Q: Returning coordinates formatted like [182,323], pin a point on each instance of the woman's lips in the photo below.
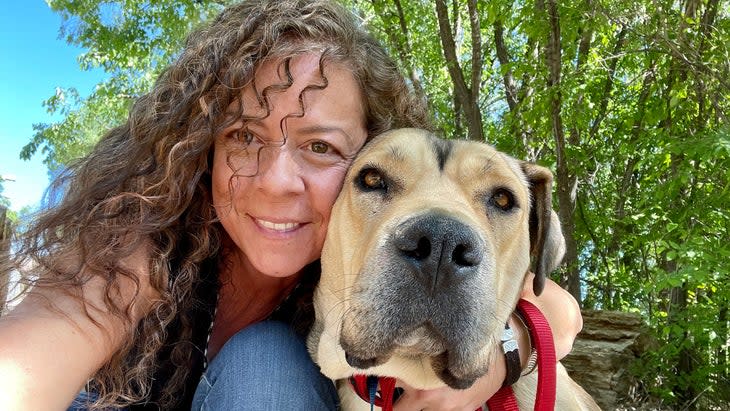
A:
[278,227]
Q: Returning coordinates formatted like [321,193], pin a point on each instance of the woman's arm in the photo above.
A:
[49,347]
[562,312]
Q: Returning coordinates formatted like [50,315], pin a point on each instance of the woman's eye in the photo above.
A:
[503,200]
[243,135]
[319,147]
[372,179]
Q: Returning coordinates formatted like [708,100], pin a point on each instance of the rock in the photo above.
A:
[604,353]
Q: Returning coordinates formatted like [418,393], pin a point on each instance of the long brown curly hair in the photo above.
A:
[148,181]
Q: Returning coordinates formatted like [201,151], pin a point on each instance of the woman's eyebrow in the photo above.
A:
[323,129]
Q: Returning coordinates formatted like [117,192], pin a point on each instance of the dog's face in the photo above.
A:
[425,258]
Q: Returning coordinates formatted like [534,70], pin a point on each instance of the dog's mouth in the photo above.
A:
[452,378]
[421,342]
[451,366]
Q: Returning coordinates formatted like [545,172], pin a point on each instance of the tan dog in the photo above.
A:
[426,253]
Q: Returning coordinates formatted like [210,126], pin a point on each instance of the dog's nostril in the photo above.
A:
[421,251]
[459,256]
[424,248]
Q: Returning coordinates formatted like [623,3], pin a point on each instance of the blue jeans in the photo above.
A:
[84,399]
[265,366]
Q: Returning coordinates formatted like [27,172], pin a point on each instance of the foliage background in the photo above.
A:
[627,101]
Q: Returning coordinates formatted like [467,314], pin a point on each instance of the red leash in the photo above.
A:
[366,387]
[542,338]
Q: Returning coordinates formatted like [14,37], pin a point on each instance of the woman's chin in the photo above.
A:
[280,269]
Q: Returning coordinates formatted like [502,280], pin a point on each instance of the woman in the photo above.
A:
[203,216]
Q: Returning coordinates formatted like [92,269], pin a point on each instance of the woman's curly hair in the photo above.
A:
[148,181]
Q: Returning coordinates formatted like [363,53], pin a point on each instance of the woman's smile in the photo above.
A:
[277,227]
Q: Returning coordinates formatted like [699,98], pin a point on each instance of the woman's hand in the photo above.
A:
[562,313]
[449,399]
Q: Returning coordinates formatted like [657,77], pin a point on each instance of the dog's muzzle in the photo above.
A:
[423,295]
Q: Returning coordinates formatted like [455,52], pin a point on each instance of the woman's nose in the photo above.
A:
[279,172]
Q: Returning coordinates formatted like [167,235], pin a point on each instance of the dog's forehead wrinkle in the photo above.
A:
[494,164]
[488,165]
[476,166]
[395,152]
[442,151]
[514,166]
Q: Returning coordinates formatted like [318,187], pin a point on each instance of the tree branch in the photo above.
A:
[469,97]
[477,59]
[449,48]
[608,84]
[510,88]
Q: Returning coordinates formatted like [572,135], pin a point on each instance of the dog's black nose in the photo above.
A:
[440,248]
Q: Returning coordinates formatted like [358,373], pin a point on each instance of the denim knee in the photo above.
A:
[265,366]
[83,402]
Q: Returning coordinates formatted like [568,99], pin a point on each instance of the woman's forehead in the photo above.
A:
[300,68]
[302,79]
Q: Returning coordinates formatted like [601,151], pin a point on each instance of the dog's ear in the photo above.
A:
[547,245]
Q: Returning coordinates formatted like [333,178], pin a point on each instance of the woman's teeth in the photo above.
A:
[277,226]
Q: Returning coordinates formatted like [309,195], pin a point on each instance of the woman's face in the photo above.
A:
[273,195]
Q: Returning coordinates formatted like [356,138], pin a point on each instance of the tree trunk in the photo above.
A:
[722,322]
[608,83]
[400,39]
[518,127]
[685,392]
[624,187]
[565,177]
[5,234]
[468,94]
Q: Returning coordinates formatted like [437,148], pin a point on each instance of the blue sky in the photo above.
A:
[33,62]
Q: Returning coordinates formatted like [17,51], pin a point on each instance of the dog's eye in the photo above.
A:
[503,199]
[371,179]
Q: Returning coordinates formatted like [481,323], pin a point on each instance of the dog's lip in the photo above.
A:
[362,363]
[419,342]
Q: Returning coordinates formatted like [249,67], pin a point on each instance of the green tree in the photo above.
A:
[4,201]
[131,40]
